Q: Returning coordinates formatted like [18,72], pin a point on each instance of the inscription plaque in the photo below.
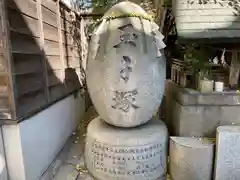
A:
[122,161]
[133,154]
[227,160]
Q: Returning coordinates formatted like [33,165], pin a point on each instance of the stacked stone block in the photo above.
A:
[125,77]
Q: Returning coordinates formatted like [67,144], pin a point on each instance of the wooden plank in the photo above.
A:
[6,50]
[73,62]
[42,46]
[2,63]
[67,38]
[4,103]
[26,64]
[50,32]
[76,51]
[30,102]
[28,7]
[49,17]
[24,44]
[54,63]
[4,91]
[51,5]
[22,23]
[65,25]
[71,79]
[65,13]
[28,83]
[3,81]
[51,48]
[71,51]
[63,64]
[57,92]
[55,77]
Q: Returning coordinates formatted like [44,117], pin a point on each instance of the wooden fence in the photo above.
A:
[39,56]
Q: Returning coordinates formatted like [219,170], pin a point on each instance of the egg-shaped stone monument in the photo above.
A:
[126,67]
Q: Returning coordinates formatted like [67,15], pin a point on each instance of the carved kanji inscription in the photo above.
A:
[126,68]
[125,100]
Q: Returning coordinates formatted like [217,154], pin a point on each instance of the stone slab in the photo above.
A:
[187,96]
[227,160]
[201,121]
[191,158]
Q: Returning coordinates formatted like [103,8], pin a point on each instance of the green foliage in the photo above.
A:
[101,6]
[102,3]
[198,58]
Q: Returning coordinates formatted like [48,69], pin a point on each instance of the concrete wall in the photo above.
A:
[33,144]
[191,113]
[3,167]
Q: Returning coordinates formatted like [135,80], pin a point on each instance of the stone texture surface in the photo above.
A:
[191,158]
[126,70]
[227,160]
[190,113]
[128,154]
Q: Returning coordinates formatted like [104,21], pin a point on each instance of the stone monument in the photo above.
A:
[126,69]
[191,158]
[227,156]
[126,77]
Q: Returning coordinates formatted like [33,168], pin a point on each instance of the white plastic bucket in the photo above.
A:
[219,86]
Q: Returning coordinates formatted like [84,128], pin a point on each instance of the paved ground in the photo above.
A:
[69,164]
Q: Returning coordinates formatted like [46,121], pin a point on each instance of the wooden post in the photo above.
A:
[60,40]
[234,70]
[5,51]
[44,60]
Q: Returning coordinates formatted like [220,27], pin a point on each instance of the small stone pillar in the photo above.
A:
[227,160]
[191,158]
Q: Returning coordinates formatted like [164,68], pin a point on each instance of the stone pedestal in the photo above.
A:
[113,153]
[191,158]
[191,113]
[227,160]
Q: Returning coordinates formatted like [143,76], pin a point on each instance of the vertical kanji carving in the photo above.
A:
[125,100]
[126,69]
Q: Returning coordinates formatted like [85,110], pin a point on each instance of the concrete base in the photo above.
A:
[33,144]
[191,113]
[3,167]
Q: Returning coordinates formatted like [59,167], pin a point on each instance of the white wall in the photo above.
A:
[3,168]
[33,144]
